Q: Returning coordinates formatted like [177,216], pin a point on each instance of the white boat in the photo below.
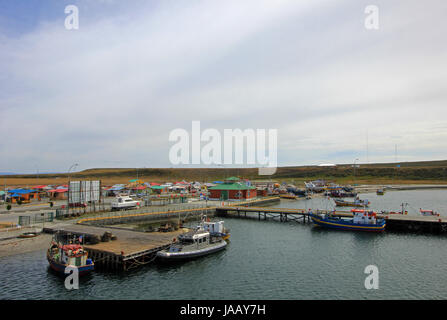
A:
[207,238]
[124,202]
[428,213]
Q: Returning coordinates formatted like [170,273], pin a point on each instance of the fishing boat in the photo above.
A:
[288,196]
[356,203]
[361,221]
[297,192]
[428,213]
[61,256]
[315,186]
[380,192]
[207,238]
[341,194]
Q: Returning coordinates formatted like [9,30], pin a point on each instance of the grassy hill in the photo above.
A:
[377,173]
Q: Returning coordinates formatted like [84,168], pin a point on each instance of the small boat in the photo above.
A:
[380,192]
[315,186]
[207,238]
[288,196]
[28,235]
[393,212]
[428,213]
[341,194]
[361,221]
[61,256]
[355,203]
[402,210]
[297,192]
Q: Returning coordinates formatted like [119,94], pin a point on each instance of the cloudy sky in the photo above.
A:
[109,93]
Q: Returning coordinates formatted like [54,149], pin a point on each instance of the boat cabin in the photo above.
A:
[365,217]
[201,237]
[214,227]
[69,254]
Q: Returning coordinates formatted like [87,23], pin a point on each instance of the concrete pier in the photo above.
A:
[130,249]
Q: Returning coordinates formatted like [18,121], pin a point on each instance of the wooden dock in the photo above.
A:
[267,213]
[394,222]
[130,250]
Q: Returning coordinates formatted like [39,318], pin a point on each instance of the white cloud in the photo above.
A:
[112,90]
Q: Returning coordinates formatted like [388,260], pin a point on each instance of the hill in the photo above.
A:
[408,172]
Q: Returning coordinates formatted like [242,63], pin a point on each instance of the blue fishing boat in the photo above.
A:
[361,221]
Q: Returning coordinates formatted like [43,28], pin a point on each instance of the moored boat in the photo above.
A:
[28,235]
[361,221]
[380,192]
[207,238]
[341,194]
[356,203]
[428,213]
[288,196]
[60,256]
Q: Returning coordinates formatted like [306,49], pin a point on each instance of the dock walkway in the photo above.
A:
[395,222]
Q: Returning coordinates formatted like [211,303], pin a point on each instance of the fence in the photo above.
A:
[143,214]
[36,218]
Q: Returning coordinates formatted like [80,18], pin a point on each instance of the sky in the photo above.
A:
[109,93]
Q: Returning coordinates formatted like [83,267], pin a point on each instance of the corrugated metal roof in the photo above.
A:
[21,191]
[158,187]
[231,186]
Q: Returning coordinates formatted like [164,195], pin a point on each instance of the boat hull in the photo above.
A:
[179,256]
[345,225]
[60,268]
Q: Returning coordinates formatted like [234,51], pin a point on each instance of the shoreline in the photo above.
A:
[17,246]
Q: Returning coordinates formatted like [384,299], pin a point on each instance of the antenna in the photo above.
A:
[367,147]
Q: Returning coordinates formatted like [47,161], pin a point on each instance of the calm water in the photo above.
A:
[269,260]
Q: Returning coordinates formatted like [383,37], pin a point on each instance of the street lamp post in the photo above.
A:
[69,169]
[354,169]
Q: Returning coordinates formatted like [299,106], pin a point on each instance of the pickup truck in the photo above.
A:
[124,203]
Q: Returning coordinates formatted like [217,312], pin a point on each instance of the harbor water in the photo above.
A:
[269,260]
